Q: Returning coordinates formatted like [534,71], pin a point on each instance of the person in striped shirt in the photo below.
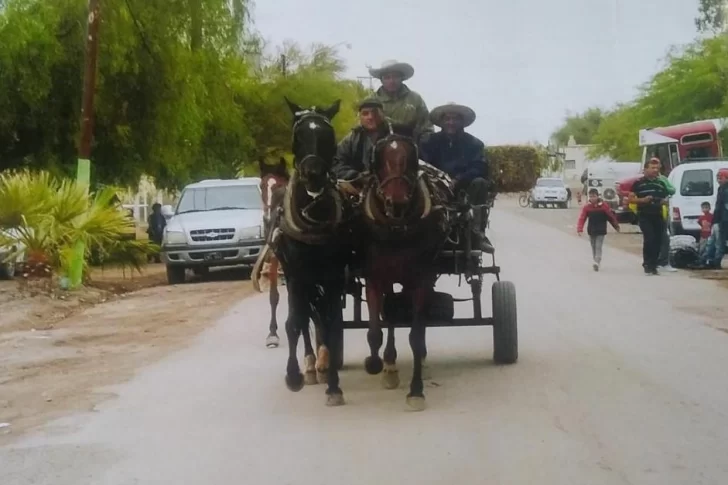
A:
[650,195]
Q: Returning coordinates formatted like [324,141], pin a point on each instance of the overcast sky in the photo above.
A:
[520,64]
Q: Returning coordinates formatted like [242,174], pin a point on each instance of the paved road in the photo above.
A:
[608,391]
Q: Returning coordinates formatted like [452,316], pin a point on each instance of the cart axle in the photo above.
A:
[455,322]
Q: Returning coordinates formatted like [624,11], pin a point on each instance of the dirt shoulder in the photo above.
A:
[56,348]
[629,239]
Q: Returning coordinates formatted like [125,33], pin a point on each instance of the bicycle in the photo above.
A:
[525,199]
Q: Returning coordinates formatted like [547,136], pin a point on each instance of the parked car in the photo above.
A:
[216,223]
[695,183]
[549,190]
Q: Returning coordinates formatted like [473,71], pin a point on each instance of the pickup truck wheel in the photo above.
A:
[175,275]
[7,270]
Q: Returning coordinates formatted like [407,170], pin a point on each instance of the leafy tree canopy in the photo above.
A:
[183,91]
[582,126]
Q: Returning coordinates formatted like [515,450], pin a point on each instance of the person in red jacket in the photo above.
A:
[598,214]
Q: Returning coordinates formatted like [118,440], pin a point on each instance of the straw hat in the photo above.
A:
[467,114]
[406,70]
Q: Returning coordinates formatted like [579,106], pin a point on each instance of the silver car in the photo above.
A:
[549,190]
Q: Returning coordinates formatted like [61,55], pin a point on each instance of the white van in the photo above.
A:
[695,183]
[603,175]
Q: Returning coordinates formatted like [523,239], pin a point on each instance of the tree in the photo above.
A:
[581,126]
[712,16]
[692,86]
[183,93]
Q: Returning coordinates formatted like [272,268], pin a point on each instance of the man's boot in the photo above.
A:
[480,240]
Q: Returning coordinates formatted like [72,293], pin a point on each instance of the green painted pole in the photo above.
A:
[83,172]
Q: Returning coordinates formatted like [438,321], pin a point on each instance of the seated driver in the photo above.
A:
[354,152]
[462,157]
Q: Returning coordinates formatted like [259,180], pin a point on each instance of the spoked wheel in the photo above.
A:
[523,200]
[505,323]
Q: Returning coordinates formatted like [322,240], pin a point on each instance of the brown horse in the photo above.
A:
[274,179]
[407,232]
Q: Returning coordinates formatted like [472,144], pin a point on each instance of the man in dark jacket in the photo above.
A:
[720,217]
[462,157]
[353,154]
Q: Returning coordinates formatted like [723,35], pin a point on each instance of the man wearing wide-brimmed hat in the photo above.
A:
[462,157]
[354,151]
[401,104]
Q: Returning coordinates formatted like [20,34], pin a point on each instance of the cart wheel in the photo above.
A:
[505,323]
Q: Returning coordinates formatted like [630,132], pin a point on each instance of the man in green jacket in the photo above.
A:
[402,105]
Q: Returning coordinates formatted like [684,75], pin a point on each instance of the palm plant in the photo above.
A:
[49,216]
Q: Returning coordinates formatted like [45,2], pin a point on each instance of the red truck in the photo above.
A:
[672,145]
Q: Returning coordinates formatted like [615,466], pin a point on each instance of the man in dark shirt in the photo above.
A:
[462,157]
[650,195]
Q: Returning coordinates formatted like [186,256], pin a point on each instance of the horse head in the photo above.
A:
[314,144]
[272,177]
[395,164]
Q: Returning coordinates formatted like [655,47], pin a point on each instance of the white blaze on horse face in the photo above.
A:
[269,195]
[313,125]
[394,144]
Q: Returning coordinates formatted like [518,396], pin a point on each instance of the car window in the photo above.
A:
[697,183]
[549,183]
[218,198]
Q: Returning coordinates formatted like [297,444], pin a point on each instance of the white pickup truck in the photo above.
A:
[215,223]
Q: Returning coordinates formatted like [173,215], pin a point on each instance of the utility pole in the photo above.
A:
[283,65]
[83,171]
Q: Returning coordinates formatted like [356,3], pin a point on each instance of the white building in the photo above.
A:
[576,161]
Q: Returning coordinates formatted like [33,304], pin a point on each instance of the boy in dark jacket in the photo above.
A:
[598,214]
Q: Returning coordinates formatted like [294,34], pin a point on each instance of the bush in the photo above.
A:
[515,168]
[49,216]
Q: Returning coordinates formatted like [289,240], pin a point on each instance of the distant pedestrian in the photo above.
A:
[155,227]
[598,213]
[650,194]
[719,235]
[705,221]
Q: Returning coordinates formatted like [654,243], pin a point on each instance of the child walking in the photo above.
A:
[706,222]
[598,214]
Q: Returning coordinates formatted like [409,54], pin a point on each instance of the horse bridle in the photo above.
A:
[410,180]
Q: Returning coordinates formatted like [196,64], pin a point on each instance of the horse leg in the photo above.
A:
[298,314]
[416,396]
[323,359]
[373,364]
[309,357]
[272,340]
[390,373]
[333,333]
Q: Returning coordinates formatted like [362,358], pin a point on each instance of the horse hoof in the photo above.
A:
[272,341]
[322,377]
[373,365]
[310,379]
[416,403]
[336,399]
[390,379]
[294,382]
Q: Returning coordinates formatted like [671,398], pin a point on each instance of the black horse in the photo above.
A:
[307,239]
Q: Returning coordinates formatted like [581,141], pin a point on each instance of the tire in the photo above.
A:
[7,270]
[534,205]
[175,275]
[441,307]
[201,271]
[523,201]
[505,323]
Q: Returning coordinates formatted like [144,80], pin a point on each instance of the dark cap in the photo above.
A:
[371,103]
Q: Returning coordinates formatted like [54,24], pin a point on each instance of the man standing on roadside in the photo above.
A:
[402,105]
[720,221]
[650,194]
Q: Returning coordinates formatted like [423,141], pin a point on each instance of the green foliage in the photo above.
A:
[692,86]
[516,167]
[582,126]
[183,90]
[712,16]
[49,215]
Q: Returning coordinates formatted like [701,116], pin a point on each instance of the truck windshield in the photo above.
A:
[697,183]
[220,198]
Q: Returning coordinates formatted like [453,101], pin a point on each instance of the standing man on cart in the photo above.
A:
[402,105]
[462,157]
